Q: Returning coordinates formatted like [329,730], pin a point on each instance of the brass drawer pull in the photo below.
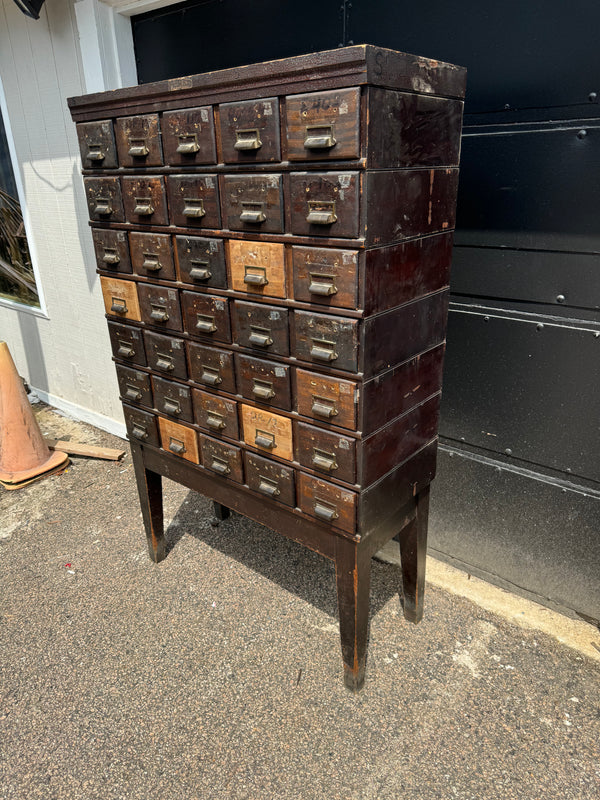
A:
[111,256]
[139,432]
[258,276]
[159,313]
[151,262]
[210,376]
[248,139]
[323,350]
[323,408]
[165,363]
[95,152]
[319,137]
[321,212]
[205,323]
[200,272]
[325,511]
[220,466]
[143,207]
[137,148]
[323,460]
[188,144]
[260,336]
[252,212]
[176,446]
[103,207]
[119,306]
[215,421]
[125,350]
[133,393]
[171,406]
[323,285]
[193,207]
[262,389]
[264,439]
[268,487]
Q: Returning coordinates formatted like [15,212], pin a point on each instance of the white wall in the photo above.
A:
[66,353]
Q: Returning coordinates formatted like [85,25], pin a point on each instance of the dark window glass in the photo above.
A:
[17,281]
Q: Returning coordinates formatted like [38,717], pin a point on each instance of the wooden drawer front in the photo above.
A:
[104,199]
[141,426]
[257,267]
[323,125]
[211,367]
[97,144]
[263,328]
[172,398]
[201,261]
[327,503]
[327,277]
[253,203]
[145,201]
[264,381]
[326,452]
[152,255]
[268,432]
[179,440]
[120,298]
[270,479]
[325,203]
[250,131]
[160,306]
[222,459]
[127,343]
[194,201]
[326,340]
[327,399]
[207,316]
[134,386]
[215,414]
[189,137]
[138,141]
[112,250]
[166,354]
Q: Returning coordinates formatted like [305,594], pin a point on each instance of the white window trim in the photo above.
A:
[106,41]
[5,302]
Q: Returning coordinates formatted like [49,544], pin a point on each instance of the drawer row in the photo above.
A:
[318,498]
[322,203]
[322,339]
[320,275]
[391,129]
[223,417]
[322,398]
[320,125]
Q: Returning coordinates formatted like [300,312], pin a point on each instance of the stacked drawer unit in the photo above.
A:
[273,244]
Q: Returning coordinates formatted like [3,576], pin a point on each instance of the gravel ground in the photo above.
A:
[217,674]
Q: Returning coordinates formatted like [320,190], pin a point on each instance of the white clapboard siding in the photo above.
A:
[65,354]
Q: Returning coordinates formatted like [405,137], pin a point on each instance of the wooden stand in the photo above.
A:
[352,558]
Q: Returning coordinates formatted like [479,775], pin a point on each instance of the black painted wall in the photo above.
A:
[517,499]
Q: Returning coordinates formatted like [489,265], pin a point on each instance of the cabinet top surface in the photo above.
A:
[330,69]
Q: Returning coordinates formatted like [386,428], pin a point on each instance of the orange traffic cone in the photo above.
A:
[24,455]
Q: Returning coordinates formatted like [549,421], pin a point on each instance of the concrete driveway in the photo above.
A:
[218,674]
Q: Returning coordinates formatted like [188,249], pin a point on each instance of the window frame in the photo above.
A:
[5,302]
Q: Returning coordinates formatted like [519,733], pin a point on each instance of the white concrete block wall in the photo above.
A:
[64,353]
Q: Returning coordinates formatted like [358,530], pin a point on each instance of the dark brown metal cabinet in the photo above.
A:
[285,359]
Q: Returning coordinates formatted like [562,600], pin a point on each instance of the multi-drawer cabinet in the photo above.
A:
[273,244]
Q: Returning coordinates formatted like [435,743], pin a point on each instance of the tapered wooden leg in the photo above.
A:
[149,486]
[413,553]
[221,513]
[353,574]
